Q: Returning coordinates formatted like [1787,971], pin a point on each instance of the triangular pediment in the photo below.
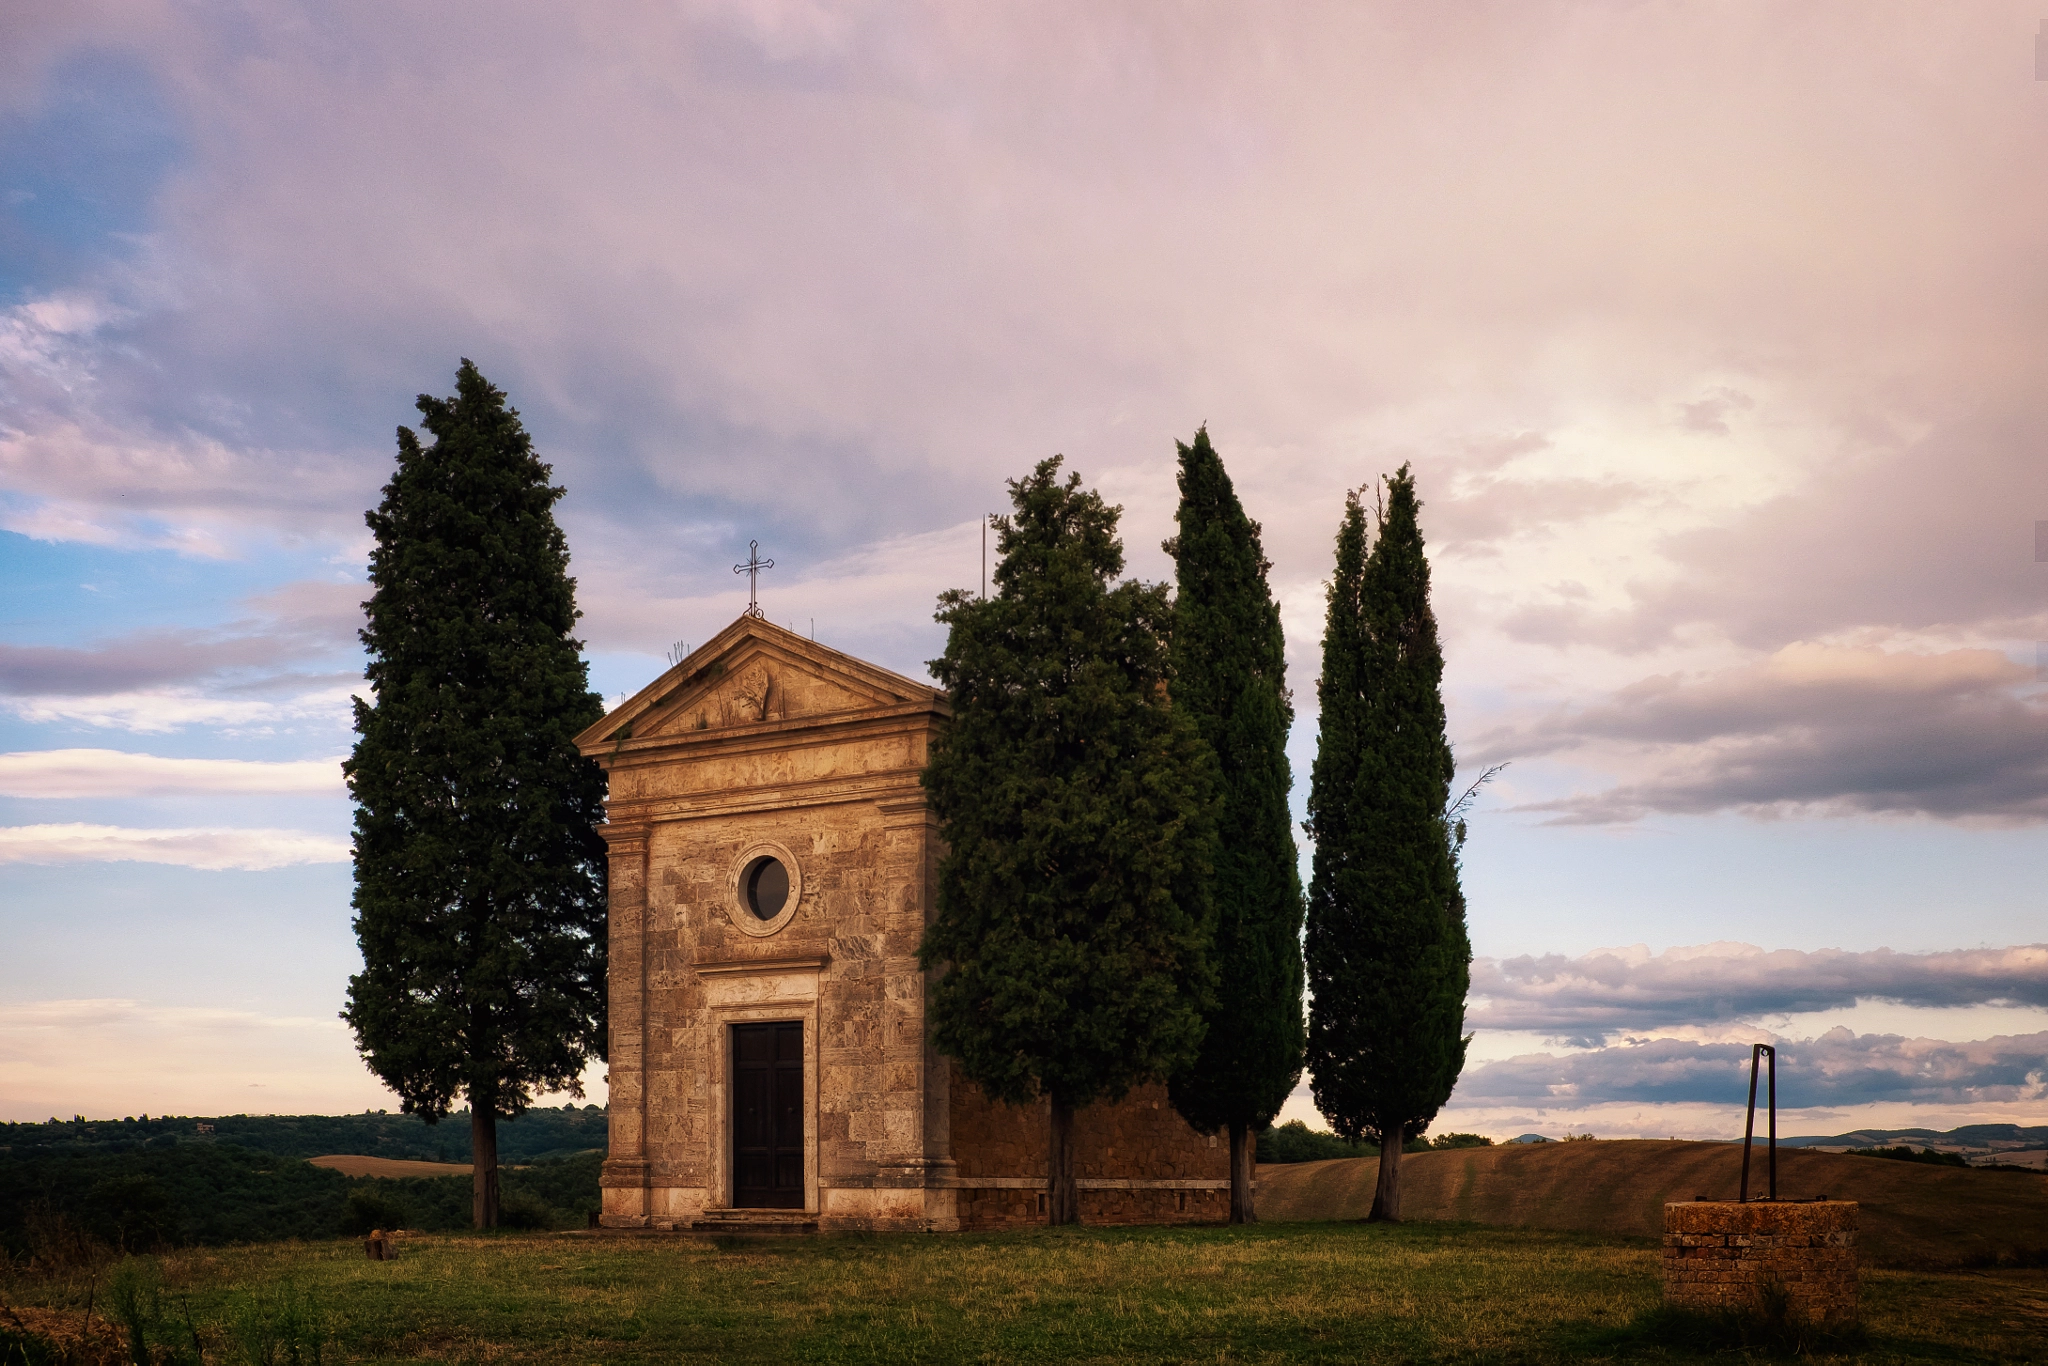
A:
[752,673]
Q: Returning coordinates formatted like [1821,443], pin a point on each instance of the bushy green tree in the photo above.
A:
[1230,676]
[480,876]
[1389,960]
[1072,930]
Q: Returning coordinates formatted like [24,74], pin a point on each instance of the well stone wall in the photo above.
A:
[1722,1254]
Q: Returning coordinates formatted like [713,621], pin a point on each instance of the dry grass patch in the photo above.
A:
[1912,1215]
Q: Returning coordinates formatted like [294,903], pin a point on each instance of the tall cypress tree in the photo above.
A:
[1230,676]
[1388,956]
[480,876]
[1072,930]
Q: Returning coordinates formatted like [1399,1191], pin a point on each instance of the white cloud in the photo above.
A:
[114,773]
[213,849]
[157,712]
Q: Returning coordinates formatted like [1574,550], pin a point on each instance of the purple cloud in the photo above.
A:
[1839,1068]
[1953,735]
[1613,991]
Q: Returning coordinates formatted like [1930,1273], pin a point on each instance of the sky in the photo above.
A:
[1711,333]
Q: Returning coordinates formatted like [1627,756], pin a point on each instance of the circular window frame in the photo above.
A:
[741,914]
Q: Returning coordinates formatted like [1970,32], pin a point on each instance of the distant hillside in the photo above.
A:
[1912,1214]
[206,1194]
[1971,1139]
[536,1135]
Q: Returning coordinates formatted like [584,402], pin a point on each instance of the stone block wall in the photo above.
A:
[1136,1161]
[1720,1254]
[764,741]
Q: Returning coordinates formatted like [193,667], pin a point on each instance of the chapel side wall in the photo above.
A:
[1140,1139]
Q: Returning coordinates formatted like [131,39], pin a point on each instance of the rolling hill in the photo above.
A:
[1913,1215]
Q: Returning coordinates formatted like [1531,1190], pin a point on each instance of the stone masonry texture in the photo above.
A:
[1721,1254]
[759,741]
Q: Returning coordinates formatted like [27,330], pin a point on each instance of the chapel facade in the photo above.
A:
[773,868]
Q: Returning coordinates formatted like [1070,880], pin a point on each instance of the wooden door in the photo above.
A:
[768,1115]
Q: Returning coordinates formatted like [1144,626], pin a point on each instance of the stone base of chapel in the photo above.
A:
[1136,1162]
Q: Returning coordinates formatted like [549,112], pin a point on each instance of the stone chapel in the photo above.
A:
[773,867]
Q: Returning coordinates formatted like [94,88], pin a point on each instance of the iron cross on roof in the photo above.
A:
[752,569]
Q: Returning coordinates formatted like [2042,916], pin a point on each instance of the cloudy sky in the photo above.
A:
[1713,334]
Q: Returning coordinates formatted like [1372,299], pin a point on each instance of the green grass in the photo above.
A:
[1300,1292]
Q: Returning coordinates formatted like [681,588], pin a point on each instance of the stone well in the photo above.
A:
[1720,1254]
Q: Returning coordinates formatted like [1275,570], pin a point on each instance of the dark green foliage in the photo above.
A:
[130,1210]
[540,1133]
[480,876]
[1294,1141]
[1388,955]
[1906,1154]
[1230,676]
[559,1193]
[200,1195]
[213,1195]
[1462,1141]
[1077,806]
[20,1347]
[373,1205]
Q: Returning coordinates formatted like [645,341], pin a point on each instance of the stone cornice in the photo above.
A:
[722,742]
[813,963]
[891,787]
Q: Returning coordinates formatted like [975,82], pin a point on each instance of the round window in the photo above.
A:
[765,885]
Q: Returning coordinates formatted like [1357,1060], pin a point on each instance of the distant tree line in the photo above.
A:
[536,1135]
[1294,1141]
[1902,1153]
[196,1194]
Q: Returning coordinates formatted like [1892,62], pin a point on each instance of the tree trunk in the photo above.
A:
[483,1156]
[1063,1198]
[1242,1148]
[1386,1195]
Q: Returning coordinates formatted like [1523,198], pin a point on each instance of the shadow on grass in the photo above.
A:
[1767,1332]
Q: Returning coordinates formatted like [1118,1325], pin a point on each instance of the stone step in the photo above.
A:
[755,1221]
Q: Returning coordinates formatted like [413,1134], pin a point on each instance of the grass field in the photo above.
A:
[1272,1293]
[1912,1215]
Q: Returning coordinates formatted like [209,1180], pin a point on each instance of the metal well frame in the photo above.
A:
[1757,1053]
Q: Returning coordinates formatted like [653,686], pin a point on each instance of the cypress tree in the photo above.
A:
[1388,956]
[1230,676]
[1072,928]
[479,873]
